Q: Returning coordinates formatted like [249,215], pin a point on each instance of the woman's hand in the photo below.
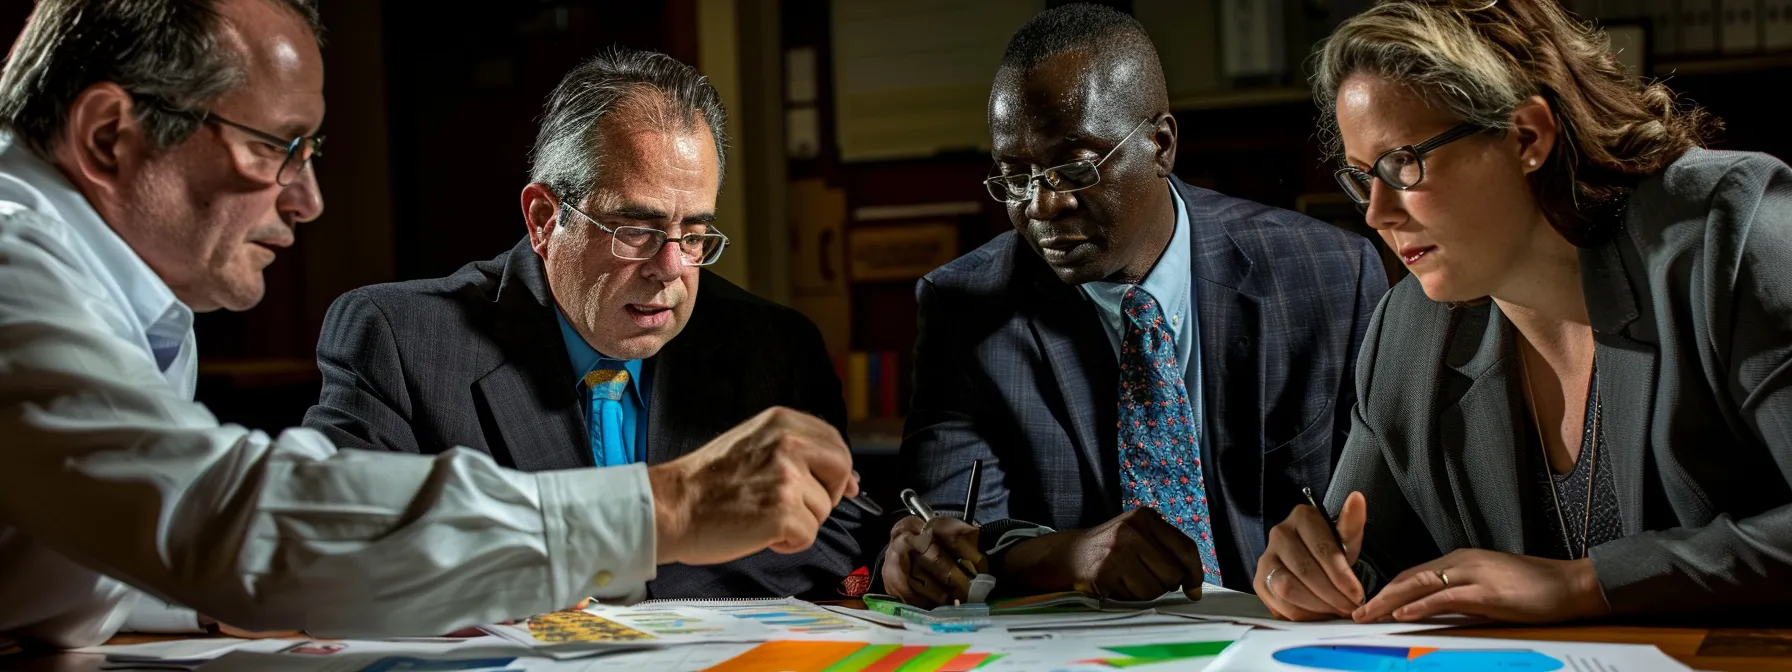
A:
[1500,586]
[1304,575]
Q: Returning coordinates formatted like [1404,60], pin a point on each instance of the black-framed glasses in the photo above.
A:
[1401,167]
[1073,176]
[640,243]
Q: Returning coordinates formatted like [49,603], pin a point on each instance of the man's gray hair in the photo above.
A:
[660,92]
[166,53]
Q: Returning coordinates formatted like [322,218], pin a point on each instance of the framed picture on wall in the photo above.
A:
[898,252]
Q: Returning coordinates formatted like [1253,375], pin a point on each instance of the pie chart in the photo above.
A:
[1416,659]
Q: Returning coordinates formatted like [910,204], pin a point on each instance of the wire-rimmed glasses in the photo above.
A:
[1401,167]
[1073,176]
[299,151]
[640,243]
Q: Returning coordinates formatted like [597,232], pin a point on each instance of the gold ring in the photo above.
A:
[1441,576]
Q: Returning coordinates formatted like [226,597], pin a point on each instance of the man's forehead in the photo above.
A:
[1068,97]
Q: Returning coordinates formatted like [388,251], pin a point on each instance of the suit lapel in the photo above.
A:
[531,397]
[1477,440]
[1070,338]
[687,405]
[1627,367]
[1228,322]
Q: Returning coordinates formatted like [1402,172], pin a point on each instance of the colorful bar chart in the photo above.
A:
[794,656]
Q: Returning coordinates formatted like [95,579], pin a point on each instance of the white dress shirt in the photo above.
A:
[114,480]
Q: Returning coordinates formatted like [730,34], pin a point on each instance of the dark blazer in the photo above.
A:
[1012,368]
[1691,308]
[476,359]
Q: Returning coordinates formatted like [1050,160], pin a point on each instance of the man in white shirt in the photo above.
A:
[153,156]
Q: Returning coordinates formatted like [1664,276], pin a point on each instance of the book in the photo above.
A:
[1776,25]
[890,397]
[1698,32]
[857,393]
[1666,29]
[1740,32]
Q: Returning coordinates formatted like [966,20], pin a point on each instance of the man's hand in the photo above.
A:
[1495,585]
[1303,575]
[768,483]
[1135,556]
[922,564]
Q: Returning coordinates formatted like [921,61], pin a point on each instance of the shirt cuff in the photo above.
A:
[600,532]
[155,616]
[1017,535]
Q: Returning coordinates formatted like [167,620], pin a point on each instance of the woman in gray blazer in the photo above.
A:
[1580,403]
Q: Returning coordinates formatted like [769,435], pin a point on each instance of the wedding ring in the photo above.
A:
[1270,577]
[1441,576]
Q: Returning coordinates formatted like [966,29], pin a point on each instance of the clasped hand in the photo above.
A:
[1304,575]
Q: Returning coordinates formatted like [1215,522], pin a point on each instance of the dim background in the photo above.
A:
[858,147]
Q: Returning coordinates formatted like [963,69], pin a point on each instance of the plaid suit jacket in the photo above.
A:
[1012,368]
[476,359]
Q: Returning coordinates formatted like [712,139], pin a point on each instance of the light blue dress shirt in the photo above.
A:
[1171,282]
[586,359]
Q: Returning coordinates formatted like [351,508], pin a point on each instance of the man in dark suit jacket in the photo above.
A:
[501,356]
[1024,346]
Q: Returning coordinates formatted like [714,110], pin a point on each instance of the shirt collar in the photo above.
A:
[585,359]
[1168,281]
[164,319]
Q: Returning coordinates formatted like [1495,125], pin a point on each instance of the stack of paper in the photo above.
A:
[1224,630]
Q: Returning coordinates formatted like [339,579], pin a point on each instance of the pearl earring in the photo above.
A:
[1533,163]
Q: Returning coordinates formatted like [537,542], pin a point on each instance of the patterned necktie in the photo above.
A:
[606,386]
[1160,455]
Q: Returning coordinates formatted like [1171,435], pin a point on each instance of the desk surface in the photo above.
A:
[1726,649]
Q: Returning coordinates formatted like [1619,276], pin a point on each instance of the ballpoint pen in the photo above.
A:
[1330,523]
[970,492]
[863,500]
[912,500]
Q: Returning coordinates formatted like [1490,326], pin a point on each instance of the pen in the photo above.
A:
[1330,523]
[863,501]
[912,500]
[970,492]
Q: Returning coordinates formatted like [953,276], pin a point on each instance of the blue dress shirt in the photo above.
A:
[1171,282]
[586,359]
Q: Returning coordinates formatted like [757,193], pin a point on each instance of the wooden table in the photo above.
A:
[1725,649]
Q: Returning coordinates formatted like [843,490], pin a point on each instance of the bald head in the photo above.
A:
[1112,62]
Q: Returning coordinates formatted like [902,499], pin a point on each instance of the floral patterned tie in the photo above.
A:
[1160,454]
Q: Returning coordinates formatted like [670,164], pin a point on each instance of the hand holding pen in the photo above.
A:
[1307,573]
[932,559]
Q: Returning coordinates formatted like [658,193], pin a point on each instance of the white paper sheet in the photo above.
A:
[1265,651]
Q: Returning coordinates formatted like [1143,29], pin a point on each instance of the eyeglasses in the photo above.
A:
[299,151]
[1073,176]
[1401,167]
[640,243]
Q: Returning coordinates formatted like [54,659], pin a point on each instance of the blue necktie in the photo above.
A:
[1160,454]
[606,387]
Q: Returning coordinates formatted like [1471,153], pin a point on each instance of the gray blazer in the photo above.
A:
[1691,307]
